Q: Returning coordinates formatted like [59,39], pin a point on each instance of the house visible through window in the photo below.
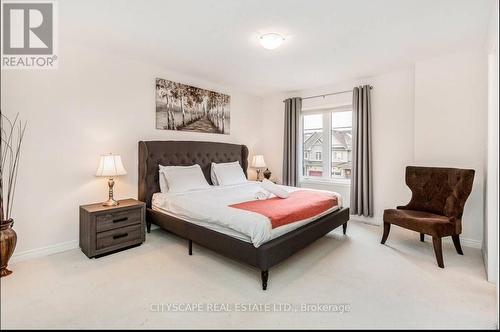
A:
[327,144]
[341,145]
[312,144]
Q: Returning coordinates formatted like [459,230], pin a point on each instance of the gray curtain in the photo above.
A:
[293,107]
[362,175]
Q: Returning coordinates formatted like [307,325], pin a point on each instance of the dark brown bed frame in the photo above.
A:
[184,153]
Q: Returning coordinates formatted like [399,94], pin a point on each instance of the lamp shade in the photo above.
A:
[110,165]
[258,161]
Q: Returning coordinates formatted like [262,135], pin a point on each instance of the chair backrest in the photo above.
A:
[439,190]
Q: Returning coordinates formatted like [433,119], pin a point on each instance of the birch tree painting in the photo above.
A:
[187,108]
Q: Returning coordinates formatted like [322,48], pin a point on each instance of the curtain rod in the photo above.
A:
[329,94]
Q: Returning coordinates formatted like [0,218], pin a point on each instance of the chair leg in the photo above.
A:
[422,237]
[438,250]
[456,242]
[344,228]
[387,229]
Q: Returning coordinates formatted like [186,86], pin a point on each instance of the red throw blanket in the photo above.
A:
[300,205]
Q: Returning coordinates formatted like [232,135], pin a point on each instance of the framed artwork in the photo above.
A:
[188,108]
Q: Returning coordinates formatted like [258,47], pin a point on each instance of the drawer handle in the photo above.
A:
[120,219]
[120,236]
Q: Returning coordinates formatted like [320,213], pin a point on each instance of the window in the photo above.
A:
[327,144]
[312,145]
[341,145]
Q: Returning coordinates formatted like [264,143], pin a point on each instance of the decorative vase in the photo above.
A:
[8,240]
[267,173]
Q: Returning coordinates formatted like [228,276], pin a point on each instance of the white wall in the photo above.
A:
[491,207]
[272,133]
[418,115]
[392,127]
[450,123]
[97,103]
[93,104]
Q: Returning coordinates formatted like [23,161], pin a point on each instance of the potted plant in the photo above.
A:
[12,133]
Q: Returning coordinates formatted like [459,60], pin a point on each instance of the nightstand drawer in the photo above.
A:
[115,220]
[118,236]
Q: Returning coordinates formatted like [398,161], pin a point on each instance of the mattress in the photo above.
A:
[209,208]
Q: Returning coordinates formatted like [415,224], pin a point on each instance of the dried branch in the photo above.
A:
[22,129]
[12,134]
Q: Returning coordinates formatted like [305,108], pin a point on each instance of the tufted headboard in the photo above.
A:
[182,153]
[439,190]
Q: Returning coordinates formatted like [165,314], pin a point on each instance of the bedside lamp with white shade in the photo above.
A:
[110,166]
[258,163]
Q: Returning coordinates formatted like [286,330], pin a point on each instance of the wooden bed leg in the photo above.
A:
[190,247]
[148,226]
[344,228]
[422,237]
[264,276]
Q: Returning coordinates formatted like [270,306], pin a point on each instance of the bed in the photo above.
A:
[261,252]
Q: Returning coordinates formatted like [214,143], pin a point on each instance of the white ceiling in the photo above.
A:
[327,40]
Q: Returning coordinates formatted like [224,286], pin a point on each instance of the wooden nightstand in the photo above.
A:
[105,229]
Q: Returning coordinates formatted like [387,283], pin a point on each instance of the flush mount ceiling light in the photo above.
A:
[271,41]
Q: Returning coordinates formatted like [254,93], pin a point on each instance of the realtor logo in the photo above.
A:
[28,35]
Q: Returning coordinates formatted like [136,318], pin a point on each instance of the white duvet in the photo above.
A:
[210,208]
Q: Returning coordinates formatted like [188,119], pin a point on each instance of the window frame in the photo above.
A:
[327,153]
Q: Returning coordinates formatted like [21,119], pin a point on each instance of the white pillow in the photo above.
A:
[213,177]
[162,180]
[274,189]
[228,173]
[180,179]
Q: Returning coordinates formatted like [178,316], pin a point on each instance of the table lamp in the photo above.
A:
[110,166]
[258,163]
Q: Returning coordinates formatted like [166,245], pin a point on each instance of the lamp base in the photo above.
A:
[110,202]
[258,174]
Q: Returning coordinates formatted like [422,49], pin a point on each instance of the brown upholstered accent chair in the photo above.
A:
[436,205]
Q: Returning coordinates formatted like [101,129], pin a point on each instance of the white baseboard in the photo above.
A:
[364,220]
[44,251]
[469,243]
[485,261]
[57,248]
[49,250]
[465,242]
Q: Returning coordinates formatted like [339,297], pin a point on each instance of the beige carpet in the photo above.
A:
[393,286]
